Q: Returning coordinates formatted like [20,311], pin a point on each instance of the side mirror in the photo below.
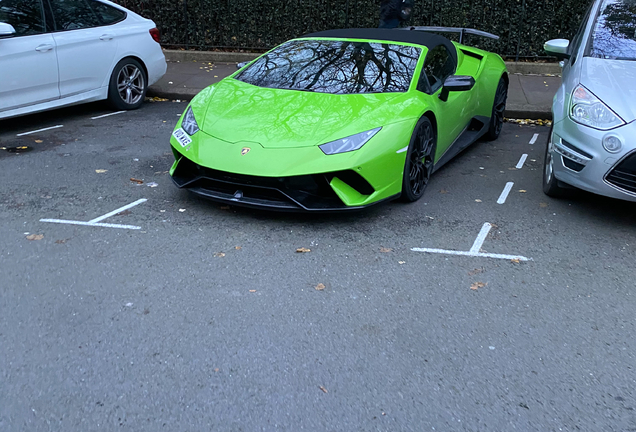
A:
[456,83]
[6,30]
[558,48]
[241,65]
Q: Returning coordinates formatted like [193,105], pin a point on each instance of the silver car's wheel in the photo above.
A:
[551,185]
[128,85]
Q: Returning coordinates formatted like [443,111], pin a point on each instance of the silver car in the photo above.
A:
[592,144]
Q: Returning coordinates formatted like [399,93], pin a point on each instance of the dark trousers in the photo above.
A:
[390,23]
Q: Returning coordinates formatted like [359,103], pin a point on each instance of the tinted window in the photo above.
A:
[107,14]
[24,15]
[438,65]
[73,15]
[614,34]
[339,67]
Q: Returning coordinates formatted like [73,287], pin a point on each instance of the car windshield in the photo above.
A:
[334,66]
[614,35]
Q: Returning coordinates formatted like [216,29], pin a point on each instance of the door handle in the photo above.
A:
[44,47]
[106,37]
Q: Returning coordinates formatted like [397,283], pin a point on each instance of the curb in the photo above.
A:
[523,68]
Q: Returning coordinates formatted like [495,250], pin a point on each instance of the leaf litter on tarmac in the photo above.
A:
[476,285]
[303,250]
[35,237]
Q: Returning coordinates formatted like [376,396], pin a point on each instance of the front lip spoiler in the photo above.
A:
[272,205]
[293,201]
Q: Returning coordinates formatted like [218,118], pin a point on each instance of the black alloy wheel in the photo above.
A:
[498,110]
[420,159]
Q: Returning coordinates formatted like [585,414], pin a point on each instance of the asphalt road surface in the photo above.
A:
[206,317]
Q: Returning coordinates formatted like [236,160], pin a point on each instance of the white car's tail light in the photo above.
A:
[156,35]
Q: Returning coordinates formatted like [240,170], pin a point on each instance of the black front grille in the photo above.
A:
[624,174]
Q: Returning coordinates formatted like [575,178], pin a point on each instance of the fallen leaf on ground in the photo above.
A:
[101,171]
[386,250]
[476,285]
[324,390]
[252,291]
[475,271]
[543,205]
[443,191]
[35,237]
[523,190]
[219,254]
[61,241]
[515,260]
[401,262]
[238,247]
[39,141]
[477,200]
[152,184]
[320,287]
[216,369]
[181,210]
[303,250]
[132,179]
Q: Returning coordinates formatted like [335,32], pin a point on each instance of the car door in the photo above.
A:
[453,114]
[85,47]
[28,61]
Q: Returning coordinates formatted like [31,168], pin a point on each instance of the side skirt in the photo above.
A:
[477,128]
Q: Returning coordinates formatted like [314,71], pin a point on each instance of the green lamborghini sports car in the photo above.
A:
[339,120]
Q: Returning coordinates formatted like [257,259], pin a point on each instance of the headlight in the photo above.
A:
[588,110]
[189,123]
[351,143]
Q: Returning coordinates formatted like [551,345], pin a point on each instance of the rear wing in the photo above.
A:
[460,30]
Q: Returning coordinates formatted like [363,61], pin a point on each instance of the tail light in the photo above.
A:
[155,34]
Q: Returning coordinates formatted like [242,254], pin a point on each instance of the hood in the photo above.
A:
[612,81]
[274,118]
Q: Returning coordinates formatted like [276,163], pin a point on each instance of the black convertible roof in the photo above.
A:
[427,39]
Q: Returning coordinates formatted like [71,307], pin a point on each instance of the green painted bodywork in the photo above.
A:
[283,128]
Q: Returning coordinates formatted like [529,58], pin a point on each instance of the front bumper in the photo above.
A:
[314,193]
[580,160]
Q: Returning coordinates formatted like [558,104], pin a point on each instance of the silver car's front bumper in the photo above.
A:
[580,160]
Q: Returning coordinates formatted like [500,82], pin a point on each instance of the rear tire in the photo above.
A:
[551,186]
[420,159]
[128,85]
[498,110]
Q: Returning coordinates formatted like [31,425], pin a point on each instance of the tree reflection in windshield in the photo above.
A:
[614,34]
[338,67]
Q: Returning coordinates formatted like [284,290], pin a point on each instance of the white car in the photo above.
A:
[55,53]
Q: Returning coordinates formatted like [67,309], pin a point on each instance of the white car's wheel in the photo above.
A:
[128,85]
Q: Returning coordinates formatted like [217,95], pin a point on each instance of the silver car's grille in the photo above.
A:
[623,176]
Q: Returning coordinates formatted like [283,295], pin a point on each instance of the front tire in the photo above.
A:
[551,186]
[128,85]
[498,110]
[420,159]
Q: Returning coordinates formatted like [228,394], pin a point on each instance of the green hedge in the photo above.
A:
[523,25]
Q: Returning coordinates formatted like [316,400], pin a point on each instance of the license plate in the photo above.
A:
[182,137]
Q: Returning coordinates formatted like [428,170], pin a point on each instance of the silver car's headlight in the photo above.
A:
[350,143]
[189,123]
[588,110]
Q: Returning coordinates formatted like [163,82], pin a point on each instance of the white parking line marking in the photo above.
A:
[504,194]
[402,150]
[107,115]
[472,254]
[534,138]
[474,250]
[104,225]
[119,210]
[485,229]
[522,161]
[40,130]
[95,222]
